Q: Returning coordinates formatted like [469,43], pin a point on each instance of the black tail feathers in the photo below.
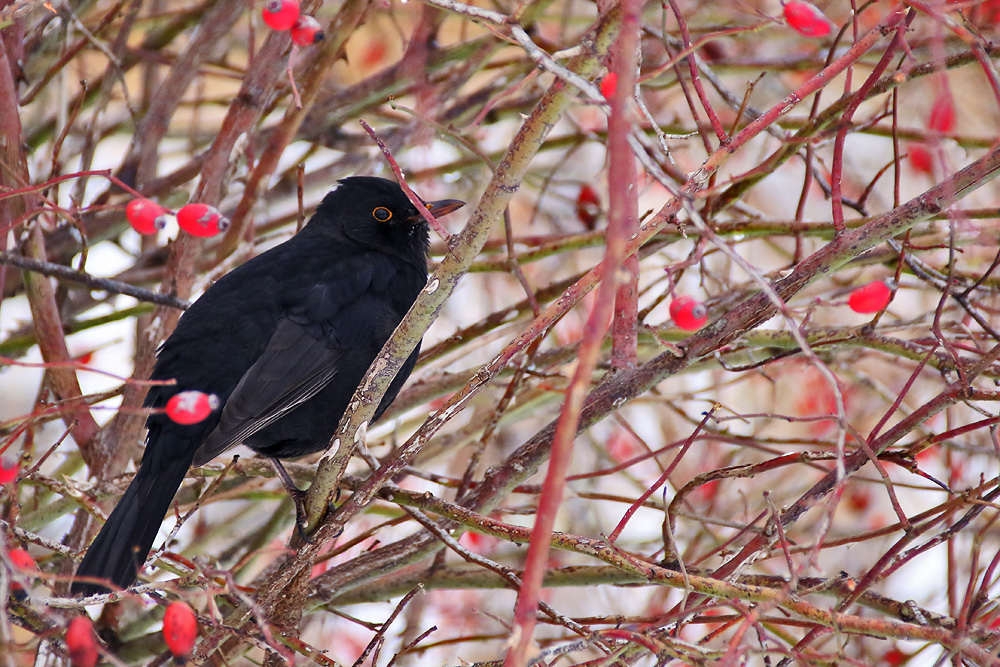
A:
[126,539]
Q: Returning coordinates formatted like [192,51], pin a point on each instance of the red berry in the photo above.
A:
[81,643]
[9,470]
[307,31]
[146,216]
[22,560]
[609,85]
[806,19]
[688,313]
[280,14]
[942,118]
[588,206]
[202,220]
[894,657]
[180,629]
[191,407]
[871,298]
[920,158]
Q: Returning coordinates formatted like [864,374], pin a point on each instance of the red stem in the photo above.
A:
[594,332]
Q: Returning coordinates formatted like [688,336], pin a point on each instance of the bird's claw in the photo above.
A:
[298,497]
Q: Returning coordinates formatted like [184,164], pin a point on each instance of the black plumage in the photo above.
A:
[283,341]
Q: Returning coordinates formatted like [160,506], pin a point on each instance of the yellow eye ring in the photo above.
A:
[382,214]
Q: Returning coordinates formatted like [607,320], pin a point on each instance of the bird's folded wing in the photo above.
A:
[294,367]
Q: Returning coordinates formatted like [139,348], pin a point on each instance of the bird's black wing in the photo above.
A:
[334,325]
[294,367]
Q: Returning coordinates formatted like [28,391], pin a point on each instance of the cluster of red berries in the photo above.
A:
[148,217]
[180,629]
[690,314]
[806,19]
[284,15]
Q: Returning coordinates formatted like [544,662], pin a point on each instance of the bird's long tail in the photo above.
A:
[126,539]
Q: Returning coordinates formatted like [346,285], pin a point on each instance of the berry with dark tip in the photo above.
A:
[688,313]
[145,216]
[202,220]
[307,31]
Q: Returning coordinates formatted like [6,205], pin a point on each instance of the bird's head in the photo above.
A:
[375,213]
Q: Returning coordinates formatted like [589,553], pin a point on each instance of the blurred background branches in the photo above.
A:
[786,470]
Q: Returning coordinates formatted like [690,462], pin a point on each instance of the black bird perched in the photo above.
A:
[283,341]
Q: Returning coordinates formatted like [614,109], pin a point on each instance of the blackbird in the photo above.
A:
[283,341]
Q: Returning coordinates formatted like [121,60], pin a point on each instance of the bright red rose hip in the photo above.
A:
[145,216]
[688,313]
[806,19]
[9,469]
[202,220]
[81,642]
[191,407]
[609,85]
[180,629]
[307,31]
[280,14]
[870,298]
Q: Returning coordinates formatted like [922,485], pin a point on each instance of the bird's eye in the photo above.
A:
[382,214]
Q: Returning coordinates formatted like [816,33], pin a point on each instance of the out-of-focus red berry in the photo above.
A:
[942,118]
[806,19]
[81,642]
[145,216]
[180,629]
[202,220]
[859,500]
[622,446]
[588,206]
[870,298]
[894,657]
[609,84]
[688,313]
[478,543]
[373,52]
[191,407]
[920,158]
[307,31]
[280,14]
[23,561]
